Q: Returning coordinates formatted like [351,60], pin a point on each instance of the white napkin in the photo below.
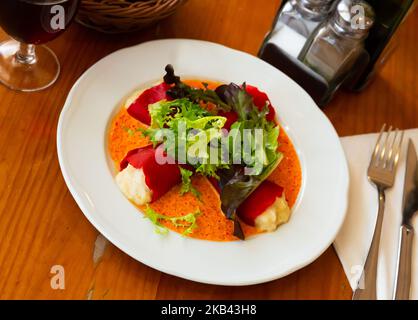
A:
[354,239]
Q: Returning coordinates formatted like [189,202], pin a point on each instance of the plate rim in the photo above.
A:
[71,185]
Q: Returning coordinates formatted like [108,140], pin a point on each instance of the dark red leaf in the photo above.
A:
[260,99]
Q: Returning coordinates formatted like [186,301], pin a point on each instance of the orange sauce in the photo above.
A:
[125,135]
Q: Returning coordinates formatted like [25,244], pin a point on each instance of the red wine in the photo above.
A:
[36,21]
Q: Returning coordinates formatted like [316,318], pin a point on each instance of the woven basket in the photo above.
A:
[117,16]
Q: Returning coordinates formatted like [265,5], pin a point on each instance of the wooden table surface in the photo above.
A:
[41,225]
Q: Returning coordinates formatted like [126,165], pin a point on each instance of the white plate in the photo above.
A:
[82,151]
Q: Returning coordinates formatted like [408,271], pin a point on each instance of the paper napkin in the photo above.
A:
[354,239]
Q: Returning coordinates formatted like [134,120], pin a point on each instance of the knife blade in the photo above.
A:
[410,196]
[409,209]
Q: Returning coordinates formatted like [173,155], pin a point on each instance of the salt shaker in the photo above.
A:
[296,22]
[336,44]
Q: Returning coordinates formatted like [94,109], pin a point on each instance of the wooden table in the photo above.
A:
[41,225]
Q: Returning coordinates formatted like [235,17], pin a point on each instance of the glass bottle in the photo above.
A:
[336,44]
[295,22]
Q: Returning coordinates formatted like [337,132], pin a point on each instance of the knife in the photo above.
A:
[410,208]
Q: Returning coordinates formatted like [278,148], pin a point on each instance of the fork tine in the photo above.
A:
[385,148]
[377,147]
[390,154]
[396,152]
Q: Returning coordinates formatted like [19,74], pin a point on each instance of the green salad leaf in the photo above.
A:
[164,112]
[183,124]
[187,185]
[188,221]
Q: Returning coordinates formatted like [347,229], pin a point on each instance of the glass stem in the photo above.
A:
[26,53]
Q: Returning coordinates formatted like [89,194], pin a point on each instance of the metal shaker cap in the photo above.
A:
[315,9]
[354,18]
[317,2]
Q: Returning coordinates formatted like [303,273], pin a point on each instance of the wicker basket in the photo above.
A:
[117,16]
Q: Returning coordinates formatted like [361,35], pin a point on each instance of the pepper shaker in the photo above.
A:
[337,43]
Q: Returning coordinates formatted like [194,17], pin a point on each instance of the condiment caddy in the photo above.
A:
[327,44]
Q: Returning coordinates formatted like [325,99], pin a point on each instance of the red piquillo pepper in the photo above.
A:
[160,178]
[139,108]
[259,201]
[260,99]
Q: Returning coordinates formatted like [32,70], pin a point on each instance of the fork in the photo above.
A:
[381,173]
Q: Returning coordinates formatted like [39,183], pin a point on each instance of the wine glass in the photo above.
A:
[24,64]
